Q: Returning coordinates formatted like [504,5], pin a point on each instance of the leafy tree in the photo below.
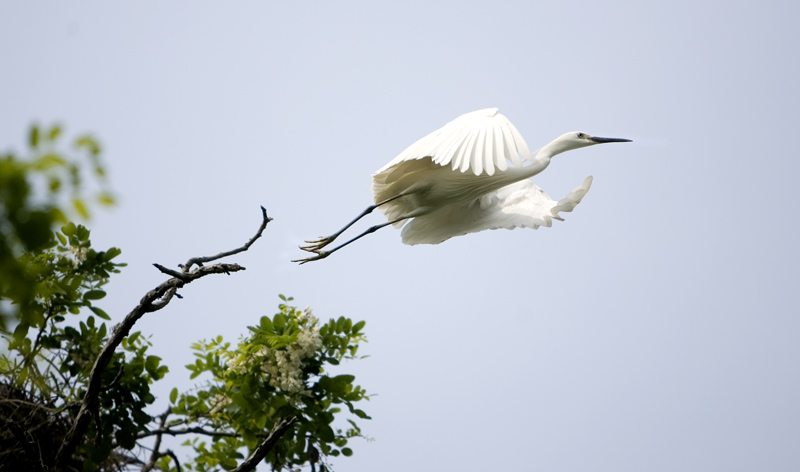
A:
[27,216]
[75,393]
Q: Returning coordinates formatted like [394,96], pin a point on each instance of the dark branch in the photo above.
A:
[200,260]
[156,454]
[170,272]
[280,428]
[174,458]
[193,430]
[154,300]
[117,378]
[25,440]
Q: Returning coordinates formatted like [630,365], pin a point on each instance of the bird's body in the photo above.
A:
[427,186]
[465,177]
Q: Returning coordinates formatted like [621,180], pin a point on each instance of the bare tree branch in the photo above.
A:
[156,454]
[280,428]
[200,260]
[172,273]
[174,458]
[25,440]
[154,300]
[116,378]
[192,430]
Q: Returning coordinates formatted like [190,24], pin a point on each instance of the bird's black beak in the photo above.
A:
[609,140]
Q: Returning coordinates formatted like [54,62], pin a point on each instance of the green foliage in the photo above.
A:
[280,369]
[52,331]
[51,352]
[64,278]
[37,192]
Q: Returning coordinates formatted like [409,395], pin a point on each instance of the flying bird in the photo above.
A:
[468,176]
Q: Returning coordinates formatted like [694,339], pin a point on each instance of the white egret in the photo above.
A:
[457,180]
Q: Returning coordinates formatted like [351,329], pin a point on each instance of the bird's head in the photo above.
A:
[577,139]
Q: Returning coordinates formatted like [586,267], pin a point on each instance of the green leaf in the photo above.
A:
[111,253]
[250,439]
[48,161]
[261,420]
[266,324]
[80,207]
[98,311]
[228,463]
[94,295]
[89,143]
[358,326]
[347,452]
[55,132]
[361,414]
[69,229]
[325,433]
[239,400]
[173,395]
[344,378]
[83,233]
[151,363]
[279,322]
[34,136]
[105,198]
[278,402]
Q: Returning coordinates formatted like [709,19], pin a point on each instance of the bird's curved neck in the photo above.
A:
[539,163]
[552,148]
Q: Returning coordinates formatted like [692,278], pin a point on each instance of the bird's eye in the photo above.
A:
[581,135]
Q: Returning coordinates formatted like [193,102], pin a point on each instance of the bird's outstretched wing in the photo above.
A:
[482,141]
[522,204]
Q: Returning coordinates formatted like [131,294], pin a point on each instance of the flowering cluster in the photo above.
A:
[284,366]
[78,255]
[281,369]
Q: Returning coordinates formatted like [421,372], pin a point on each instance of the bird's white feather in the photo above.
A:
[519,205]
[480,141]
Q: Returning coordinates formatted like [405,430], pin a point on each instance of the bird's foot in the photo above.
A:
[320,255]
[316,245]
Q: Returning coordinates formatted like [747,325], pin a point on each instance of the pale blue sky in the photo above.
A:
[655,329]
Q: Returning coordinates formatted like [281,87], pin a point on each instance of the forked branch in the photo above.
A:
[154,300]
[266,445]
[200,260]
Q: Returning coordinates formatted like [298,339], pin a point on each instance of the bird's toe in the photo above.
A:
[320,255]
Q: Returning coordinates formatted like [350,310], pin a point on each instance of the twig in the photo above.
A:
[156,454]
[263,449]
[170,272]
[200,260]
[193,430]
[24,439]
[174,458]
[116,378]
[154,300]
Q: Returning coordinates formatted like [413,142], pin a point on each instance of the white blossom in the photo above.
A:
[284,368]
[78,255]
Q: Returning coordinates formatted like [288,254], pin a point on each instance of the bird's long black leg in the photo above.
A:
[316,245]
[324,254]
